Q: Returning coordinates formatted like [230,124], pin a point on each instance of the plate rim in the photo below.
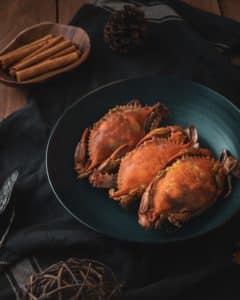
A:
[99,88]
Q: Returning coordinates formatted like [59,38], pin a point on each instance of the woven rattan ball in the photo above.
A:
[73,279]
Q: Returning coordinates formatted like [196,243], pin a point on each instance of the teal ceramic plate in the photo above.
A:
[215,117]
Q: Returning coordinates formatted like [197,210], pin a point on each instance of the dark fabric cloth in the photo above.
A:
[195,269]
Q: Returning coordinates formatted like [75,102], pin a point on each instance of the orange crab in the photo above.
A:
[116,133]
[138,167]
[186,186]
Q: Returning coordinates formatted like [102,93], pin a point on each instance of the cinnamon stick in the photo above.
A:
[15,55]
[11,59]
[46,66]
[65,51]
[41,56]
[51,42]
[38,41]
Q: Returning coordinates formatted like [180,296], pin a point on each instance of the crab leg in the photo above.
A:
[159,132]
[105,175]
[175,133]
[124,197]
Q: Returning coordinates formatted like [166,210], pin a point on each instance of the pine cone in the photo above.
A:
[125,30]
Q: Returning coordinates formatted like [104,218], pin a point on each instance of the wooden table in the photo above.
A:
[15,15]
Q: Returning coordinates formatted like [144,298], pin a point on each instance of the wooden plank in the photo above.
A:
[230,9]
[15,15]
[211,6]
[11,99]
[67,9]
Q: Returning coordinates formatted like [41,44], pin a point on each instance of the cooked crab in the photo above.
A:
[138,167]
[189,183]
[116,133]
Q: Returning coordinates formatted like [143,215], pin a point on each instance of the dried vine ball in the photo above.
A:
[126,29]
[73,279]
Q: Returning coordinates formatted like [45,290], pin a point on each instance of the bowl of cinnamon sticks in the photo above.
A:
[41,52]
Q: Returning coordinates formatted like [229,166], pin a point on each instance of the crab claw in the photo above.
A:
[192,135]
[80,156]
[105,175]
[146,216]
[231,167]
[230,163]
[159,112]
[103,180]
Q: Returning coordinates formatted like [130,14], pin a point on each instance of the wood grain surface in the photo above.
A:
[67,9]
[230,9]
[207,5]
[15,15]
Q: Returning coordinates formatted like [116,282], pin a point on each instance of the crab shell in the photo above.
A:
[121,128]
[189,183]
[139,166]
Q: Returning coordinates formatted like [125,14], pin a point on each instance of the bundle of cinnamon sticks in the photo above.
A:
[39,57]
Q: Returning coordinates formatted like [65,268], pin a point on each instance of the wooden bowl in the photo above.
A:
[75,34]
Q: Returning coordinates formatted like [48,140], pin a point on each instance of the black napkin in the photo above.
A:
[182,42]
